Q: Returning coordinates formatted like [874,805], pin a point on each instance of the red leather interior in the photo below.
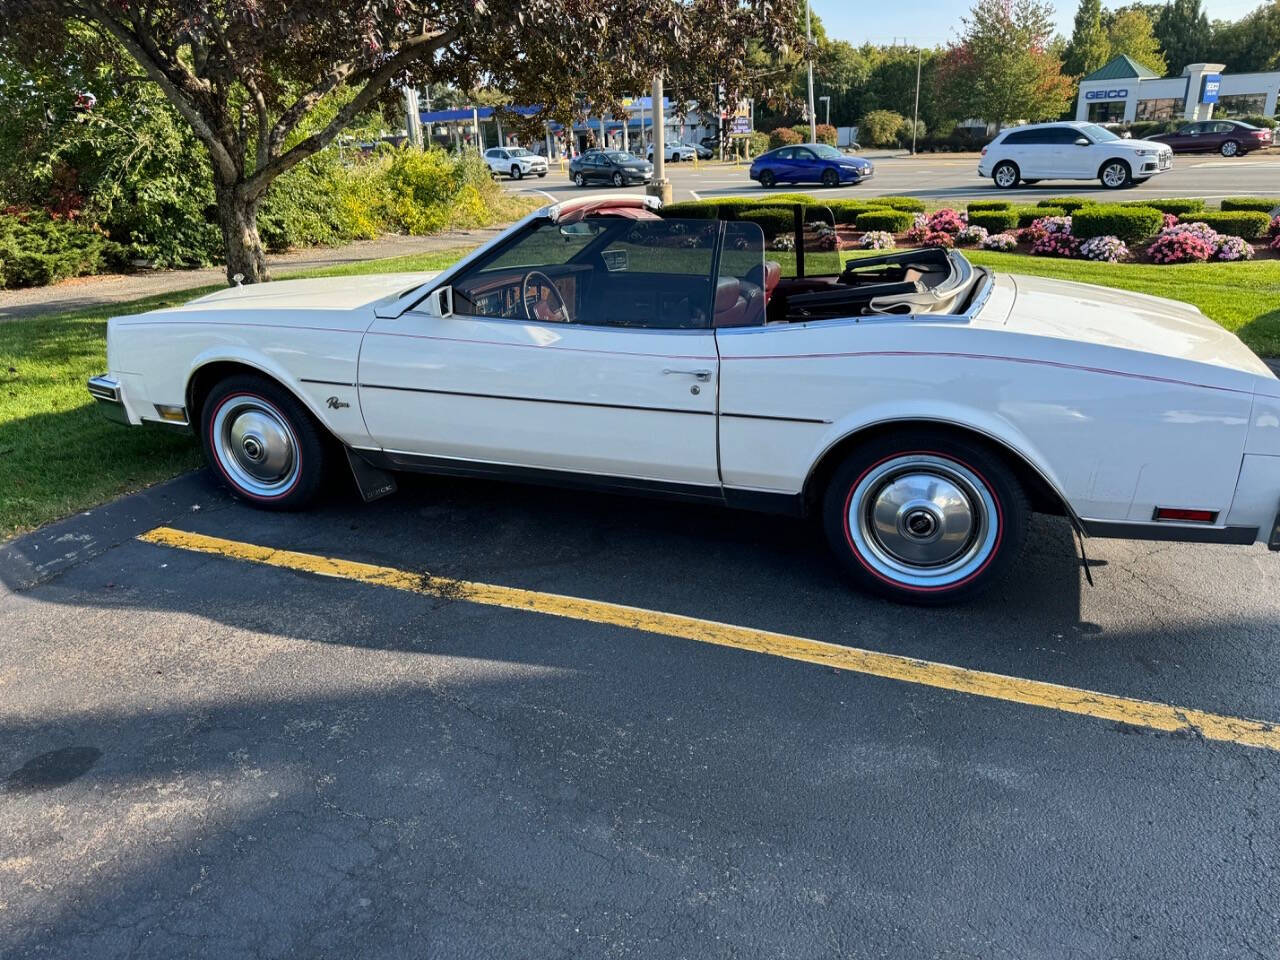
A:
[731,305]
[753,297]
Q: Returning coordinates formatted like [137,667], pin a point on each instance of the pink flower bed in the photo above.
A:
[1185,246]
[946,220]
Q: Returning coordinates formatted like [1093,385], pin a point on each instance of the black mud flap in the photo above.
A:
[373,483]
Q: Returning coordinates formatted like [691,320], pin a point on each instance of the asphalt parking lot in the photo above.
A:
[400,739]
[954,179]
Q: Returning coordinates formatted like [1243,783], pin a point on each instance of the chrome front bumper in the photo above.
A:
[106,392]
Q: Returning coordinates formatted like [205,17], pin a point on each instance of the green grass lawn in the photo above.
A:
[58,455]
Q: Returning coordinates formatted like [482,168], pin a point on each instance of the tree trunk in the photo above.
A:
[238,218]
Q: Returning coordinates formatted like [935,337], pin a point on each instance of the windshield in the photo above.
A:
[1098,134]
[519,152]
[826,152]
[619,156]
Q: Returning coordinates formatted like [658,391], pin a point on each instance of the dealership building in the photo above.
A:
[1124,91]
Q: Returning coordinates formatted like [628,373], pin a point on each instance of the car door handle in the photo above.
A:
[703,375]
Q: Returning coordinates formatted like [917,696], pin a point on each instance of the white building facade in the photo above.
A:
[1124,91]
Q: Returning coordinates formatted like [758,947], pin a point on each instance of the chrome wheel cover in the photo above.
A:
[1006,176]
[255,446]
[1114,175]
[1229,148]
[922,520]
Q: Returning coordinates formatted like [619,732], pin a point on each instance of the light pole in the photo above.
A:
[915,120]
[808,35]
[827,100]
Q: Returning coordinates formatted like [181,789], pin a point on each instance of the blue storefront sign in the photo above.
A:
[1120,94]
[1209,87]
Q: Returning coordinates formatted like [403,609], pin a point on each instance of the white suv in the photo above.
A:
[1071,151]
[516,161]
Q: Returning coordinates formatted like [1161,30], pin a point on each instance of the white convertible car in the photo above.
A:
[918,405]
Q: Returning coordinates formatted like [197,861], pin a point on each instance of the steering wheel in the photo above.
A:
[542,311]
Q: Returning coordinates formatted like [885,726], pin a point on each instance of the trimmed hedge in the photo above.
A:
[894,221]
[1130,224]
[989,205]
[994,221]
[1179,207]
[689,210]
[1250,224]
[1029,215]
[1069,204]
[1261,204]
[909,204]
[36,249]
[771,220]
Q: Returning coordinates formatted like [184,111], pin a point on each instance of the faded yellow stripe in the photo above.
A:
[1035,693]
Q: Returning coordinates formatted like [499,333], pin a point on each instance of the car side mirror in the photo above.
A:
[439,303]
[1082,141]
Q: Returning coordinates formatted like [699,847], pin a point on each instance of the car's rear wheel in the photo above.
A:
[579,179]
[618,180]
[830,178]
[767,179]
[1115,174]
[926,517]
[1230,148]
[516,172]
[1005,174]
[263,443]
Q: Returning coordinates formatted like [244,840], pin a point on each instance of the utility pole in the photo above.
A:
[412,118]
[808,35]
[915,120]
[475,125]
[827,101]
[660,186]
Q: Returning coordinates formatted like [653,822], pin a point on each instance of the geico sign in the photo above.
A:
[1120,94]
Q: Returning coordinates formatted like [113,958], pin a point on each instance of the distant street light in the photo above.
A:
[915,121]
[808,35]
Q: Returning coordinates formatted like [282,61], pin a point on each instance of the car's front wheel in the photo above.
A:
[1005,175]
[925,517]
[263,443]
[767,179]
[1115,174]
[618,180]
[516,172]
[1230,148]
[830,178]
[579,179]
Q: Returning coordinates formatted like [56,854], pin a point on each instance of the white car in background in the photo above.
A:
[1071,151]
[673,150]
[515,162]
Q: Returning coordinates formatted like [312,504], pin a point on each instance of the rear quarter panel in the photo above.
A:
[1116,432]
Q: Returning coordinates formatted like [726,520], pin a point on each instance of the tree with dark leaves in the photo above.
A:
[245,75]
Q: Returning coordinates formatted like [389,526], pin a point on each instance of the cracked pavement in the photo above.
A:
[207,758]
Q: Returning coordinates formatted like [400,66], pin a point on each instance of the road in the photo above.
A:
[211,747]
[952,179]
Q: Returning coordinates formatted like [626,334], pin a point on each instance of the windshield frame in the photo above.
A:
[1098,133]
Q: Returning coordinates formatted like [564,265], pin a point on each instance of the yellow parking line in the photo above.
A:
[1035,693]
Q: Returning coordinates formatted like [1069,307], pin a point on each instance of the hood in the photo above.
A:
[636,164]
[320,293]
[1149,143]
[1119,319]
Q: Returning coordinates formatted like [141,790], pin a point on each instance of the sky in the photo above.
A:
[928,23]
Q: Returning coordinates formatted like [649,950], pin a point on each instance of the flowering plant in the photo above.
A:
[1273,231]
[1275,244]
[1196,229]
[1104,249]
[946,220]
[920,221]
[971,235]
[1170,220]
[1233,248]
[784,241]
[937,238]
[876,240]
[823,236]
[1180,246]
[1055,224]
[1056,244]
[999,241]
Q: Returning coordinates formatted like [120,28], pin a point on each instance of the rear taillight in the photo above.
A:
[1181,515]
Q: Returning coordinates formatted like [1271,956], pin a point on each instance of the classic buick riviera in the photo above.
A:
[918,405]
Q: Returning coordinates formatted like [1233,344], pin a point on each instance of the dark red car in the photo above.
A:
[1231,138]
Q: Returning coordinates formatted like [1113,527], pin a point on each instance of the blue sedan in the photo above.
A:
[809,163]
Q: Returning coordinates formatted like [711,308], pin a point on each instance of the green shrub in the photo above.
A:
[771,220]
[1029,215]
[757,142]
[847,211]
[894,221]
[783,137]
[36,249]
[1069,204]
[879,128]
[827,134]
[1130,224]
[989,205]
[1258,120]
[994,221]
[1262,204]
[1250,224]
[1178,207]
[689,210]
[909,204]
